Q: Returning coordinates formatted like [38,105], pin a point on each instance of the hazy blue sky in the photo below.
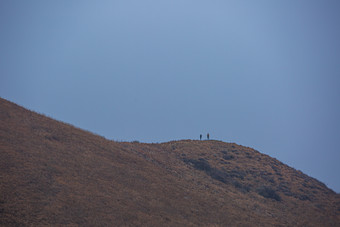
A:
[264,74]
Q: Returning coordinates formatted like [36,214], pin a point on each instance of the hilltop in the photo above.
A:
[53,173]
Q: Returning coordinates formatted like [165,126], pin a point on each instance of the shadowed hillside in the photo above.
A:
[55,174]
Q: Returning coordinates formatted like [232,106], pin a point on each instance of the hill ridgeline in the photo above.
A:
[53,173]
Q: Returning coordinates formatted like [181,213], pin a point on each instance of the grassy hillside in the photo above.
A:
[55,174]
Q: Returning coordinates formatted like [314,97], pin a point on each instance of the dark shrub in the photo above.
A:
[235,173]
[283,187]
[217,174]
[268,193]
[242,187]
[228,157]
[302,197]
[200,164]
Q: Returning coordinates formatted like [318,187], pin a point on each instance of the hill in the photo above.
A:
[53,173]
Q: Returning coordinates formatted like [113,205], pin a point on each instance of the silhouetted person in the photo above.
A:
[208,136]
[200,136]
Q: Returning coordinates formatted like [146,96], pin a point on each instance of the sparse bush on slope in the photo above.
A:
[220,175]
[268,192]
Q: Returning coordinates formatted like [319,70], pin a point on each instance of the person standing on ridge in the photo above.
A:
[200,136]
[208,136]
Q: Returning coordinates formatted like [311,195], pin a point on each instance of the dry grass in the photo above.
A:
[55,174]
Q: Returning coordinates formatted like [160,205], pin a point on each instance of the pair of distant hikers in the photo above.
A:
[207,136]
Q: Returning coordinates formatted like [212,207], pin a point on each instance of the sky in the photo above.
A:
[263,74]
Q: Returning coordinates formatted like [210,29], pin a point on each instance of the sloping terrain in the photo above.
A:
[52,173]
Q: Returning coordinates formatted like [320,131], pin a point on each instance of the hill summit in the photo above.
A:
[53,173]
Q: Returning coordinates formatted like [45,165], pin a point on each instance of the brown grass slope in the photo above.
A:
[52,173]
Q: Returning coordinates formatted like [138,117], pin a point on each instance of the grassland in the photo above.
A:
[53,173]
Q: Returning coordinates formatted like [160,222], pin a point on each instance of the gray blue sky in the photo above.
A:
[264,74]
